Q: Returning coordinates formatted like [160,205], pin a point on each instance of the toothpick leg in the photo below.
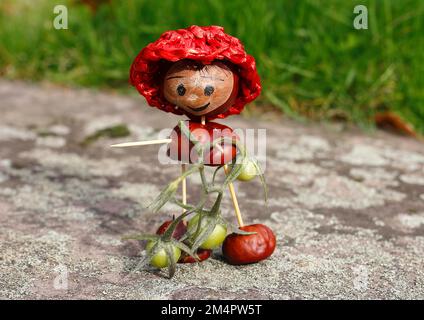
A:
[235,201]
[184,186]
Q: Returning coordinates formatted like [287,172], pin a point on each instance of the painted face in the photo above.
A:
[199,89]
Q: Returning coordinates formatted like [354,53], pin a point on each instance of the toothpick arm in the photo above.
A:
[140,143]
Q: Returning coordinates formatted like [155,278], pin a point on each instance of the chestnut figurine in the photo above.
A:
[204,74]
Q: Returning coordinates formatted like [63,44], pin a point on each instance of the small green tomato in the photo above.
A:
[160,259]
[216,237]
[249,172]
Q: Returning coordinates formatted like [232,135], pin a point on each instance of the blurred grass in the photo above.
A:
[312,62]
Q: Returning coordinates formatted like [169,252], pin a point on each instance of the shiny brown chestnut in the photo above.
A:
[245,249]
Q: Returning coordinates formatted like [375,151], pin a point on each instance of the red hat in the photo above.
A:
[202,44]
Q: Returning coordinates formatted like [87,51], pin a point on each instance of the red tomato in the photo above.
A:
[179,231]
[182,149]
[203,254]
[244,249]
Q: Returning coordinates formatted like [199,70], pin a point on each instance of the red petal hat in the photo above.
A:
[202,44]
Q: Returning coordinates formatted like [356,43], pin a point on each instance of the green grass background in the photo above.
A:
[313,63]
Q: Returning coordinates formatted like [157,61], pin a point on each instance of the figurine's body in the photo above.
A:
[203,73]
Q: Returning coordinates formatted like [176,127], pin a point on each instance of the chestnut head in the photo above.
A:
[200,90]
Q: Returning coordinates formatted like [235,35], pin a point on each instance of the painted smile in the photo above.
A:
[200,108]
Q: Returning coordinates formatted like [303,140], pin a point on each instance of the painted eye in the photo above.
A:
[209,90]
[181,90]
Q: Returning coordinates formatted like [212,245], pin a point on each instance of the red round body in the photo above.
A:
[244,249]
[182,149]
[203,254]
[179,231]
